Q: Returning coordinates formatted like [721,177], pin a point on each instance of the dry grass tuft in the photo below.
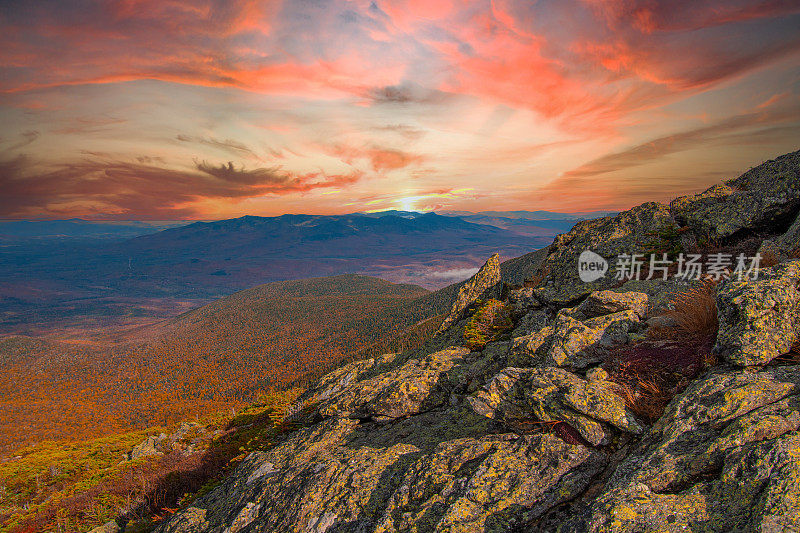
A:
[695,313]
[536,279]
[768,259]
[648,375]
[795,253]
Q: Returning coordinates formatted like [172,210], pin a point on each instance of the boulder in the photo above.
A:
[519,396]
[762,199]
[570,342]
[723,456]
[629,232]
[149,447]
[603,303]
[578,344]
[532,321]
[415,386]
[483,285]
[759,319]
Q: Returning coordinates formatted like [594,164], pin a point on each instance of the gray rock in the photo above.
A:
[417,385]
[569,342]
[444,471]
[149,447]
[627,233]
[759,319]
[483,285]
[532,321]
[545,395]
[723,456]
[603,303]
[755,201]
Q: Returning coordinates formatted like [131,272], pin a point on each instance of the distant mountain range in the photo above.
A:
[66,281]
[76,228]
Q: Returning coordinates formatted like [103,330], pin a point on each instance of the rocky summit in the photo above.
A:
[617,405]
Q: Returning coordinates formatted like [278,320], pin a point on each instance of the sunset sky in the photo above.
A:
[201,109]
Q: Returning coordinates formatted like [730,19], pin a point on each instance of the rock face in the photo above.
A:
[483,285]
[627,233]
[766,196]
[724,457]
[764,200]
[547,395]
[760,320]
[537,431]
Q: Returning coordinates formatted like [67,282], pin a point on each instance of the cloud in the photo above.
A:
[141,190]
[232,147]
[655,149]
[406,93]
[28,137]
[380,159]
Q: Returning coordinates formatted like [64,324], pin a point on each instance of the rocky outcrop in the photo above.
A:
[537,430]
[483,285]
[724,457]
[150,446]
[583,335]
[627,233]
[760,319]
[763,198]
[416,386]
[546,395]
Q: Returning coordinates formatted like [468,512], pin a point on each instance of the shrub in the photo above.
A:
[99,487]
[491,319]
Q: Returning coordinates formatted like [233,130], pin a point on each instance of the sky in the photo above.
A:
[207,109]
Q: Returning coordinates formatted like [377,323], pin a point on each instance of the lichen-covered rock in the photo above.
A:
[523,299]
[148,447]
[532,322]
[660,293]
[759,319]
[542,395]
[483,285]
[578,344]
[724,457]
[785,246]
[761,199]
[573,343]
[603,303]
[496,483]
[627,233]
[443,471]
[335,383]
[417,385]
